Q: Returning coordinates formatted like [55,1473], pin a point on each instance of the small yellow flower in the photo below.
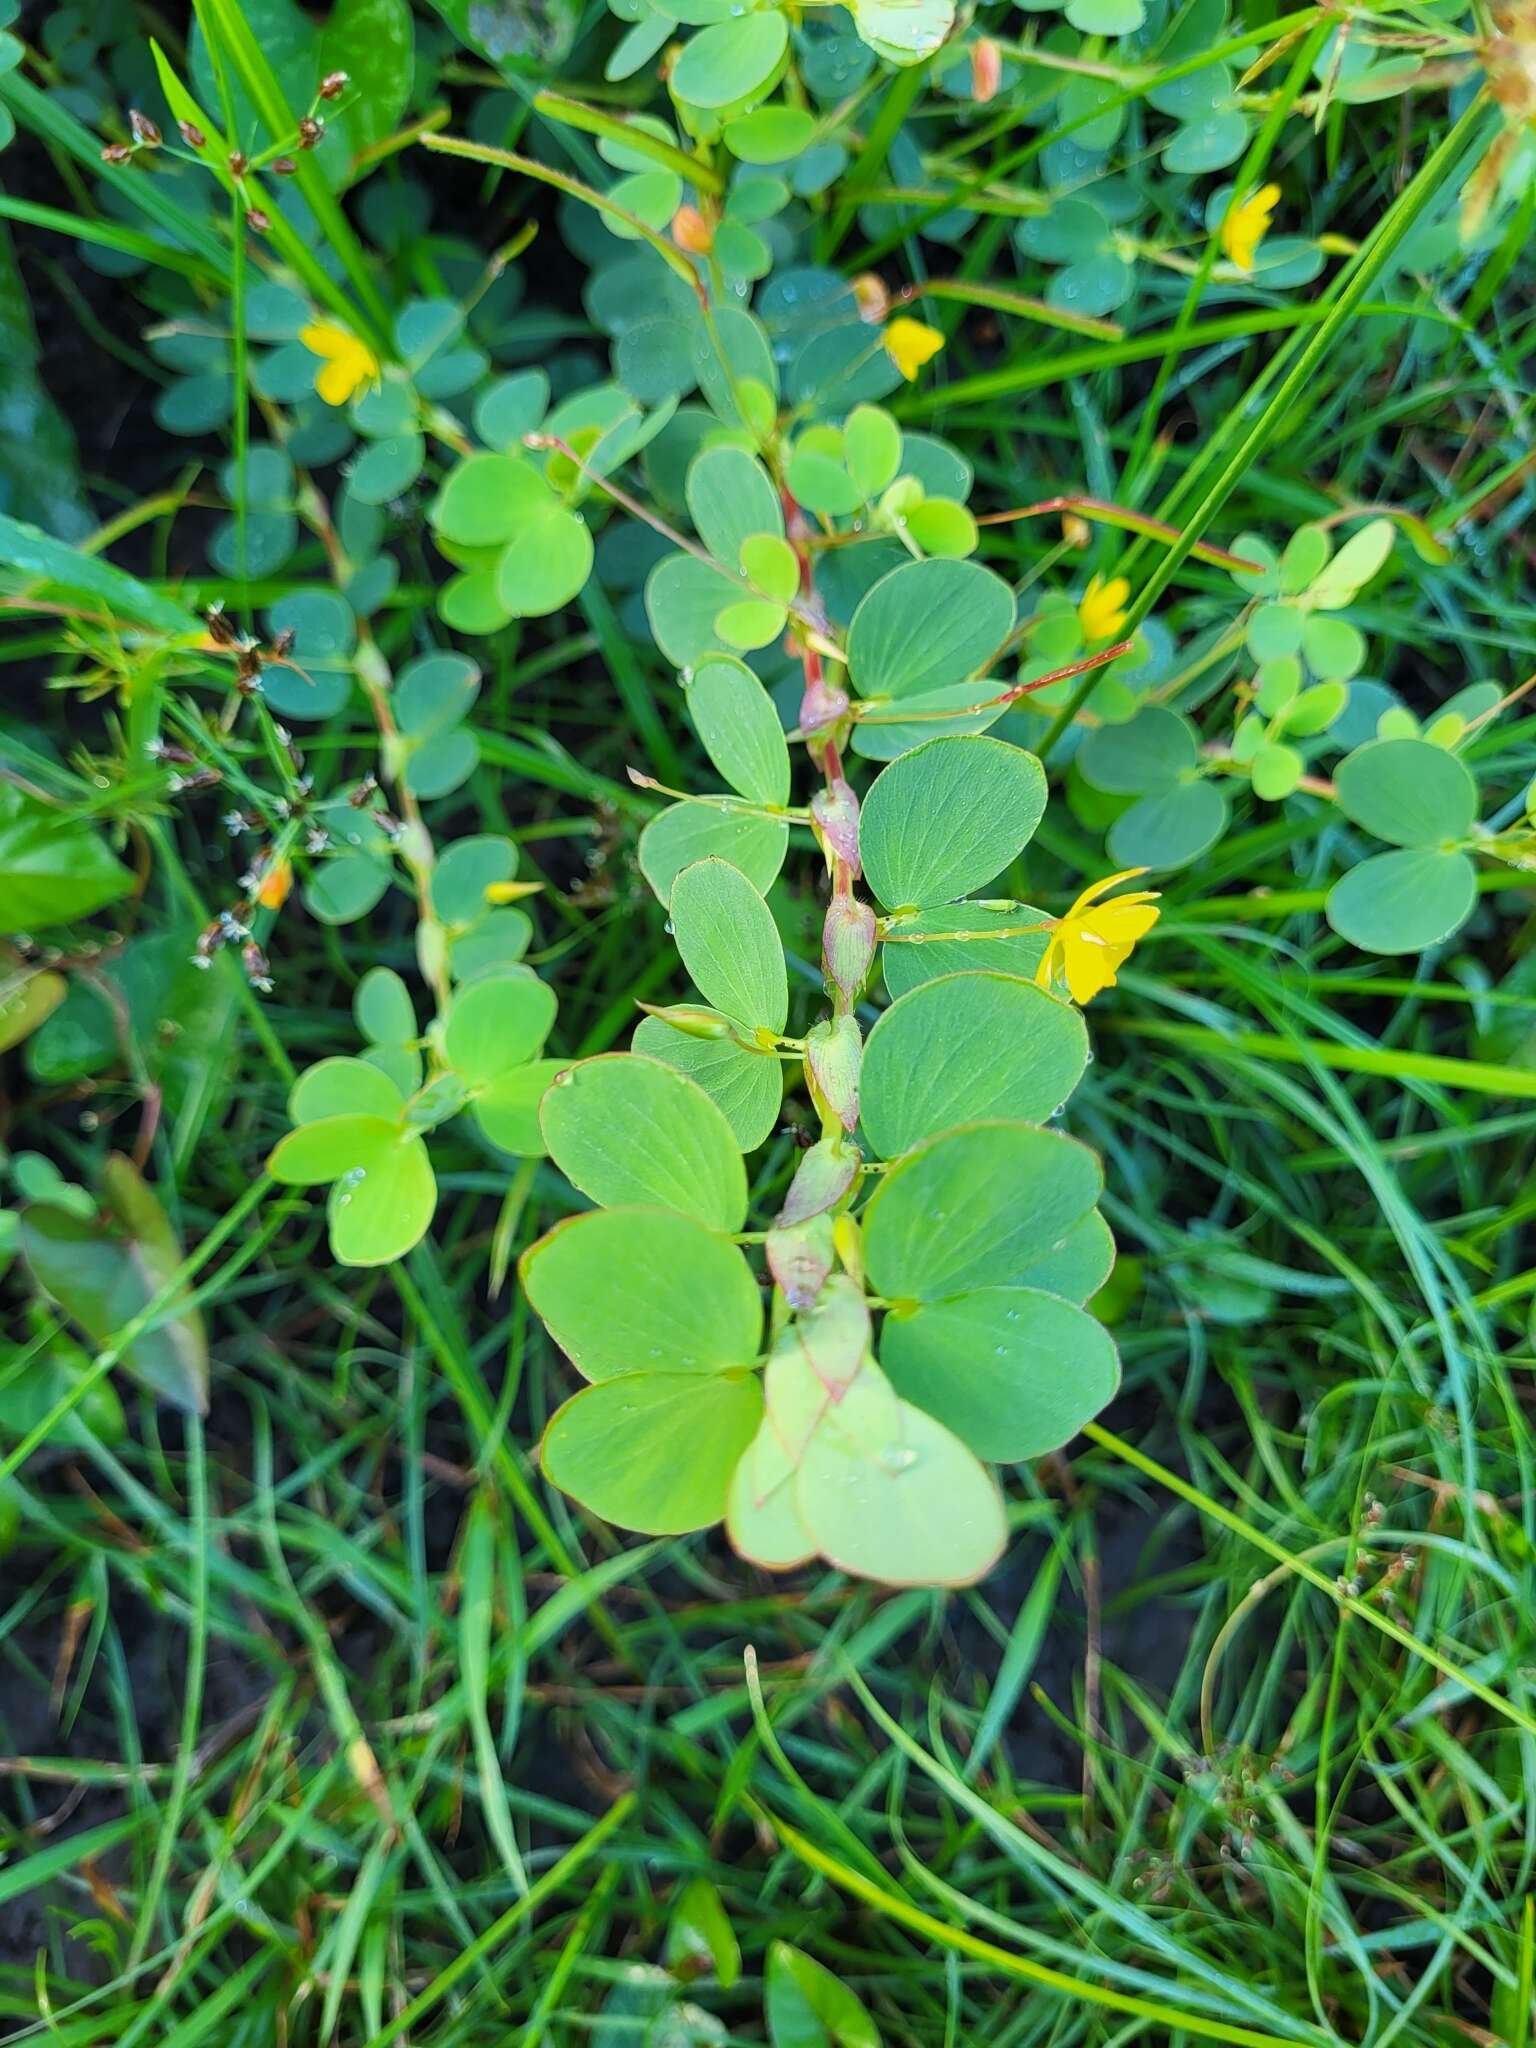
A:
[910,344]
[1094,940]
[1245,226]
[510,892]
[1101,612]
[348,365]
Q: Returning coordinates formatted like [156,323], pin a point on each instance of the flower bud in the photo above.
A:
[822,1178]
[1075,530]
[333,85]
[144,130]
[834,1053]
[283,167]
[800,1258]
[239,163]
[986,69]
[311,131]
[871,298]
[272,890]
[848,945]
[258,219]
[692,1019]
[192,135]
[835,811]
[691,231]
[116,153]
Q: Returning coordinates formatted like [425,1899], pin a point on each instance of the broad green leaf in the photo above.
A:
[700,1937]
[1407,792]
[346,887]
[373,42]
[730,944]
[922,1511]
[885,733]
[644,1290]
[1361,556]
[433,693]
[904,31]
[344,1087]
[925,625]
[383,1008]
[731,61]
[730,498]
[331,1146]
[1079,1265]
[907,965]
[734,717]
[683,599]
[975,1208]
[1169,830]
[53,867]
[748,1087]
[1151,751]
[497,1023]
[487,500]
[654,1451]
[807,2007]
[464,872]
[39,563]
[27,1002]
[383,1204]
[871,448]
[102,1277]
[770,135]
[1012,1371]
[685,833]
[966,1047]
[766,1527]
[947,817]
[546,564]
[507,1108]
[1402,902]
[626,1129]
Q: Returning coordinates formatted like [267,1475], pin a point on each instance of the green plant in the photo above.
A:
[557,508]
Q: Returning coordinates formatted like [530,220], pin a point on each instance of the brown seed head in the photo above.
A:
[333,85]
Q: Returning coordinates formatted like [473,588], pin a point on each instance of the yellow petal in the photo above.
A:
[349,364]
[1102,611]
[1122,924]
[510,892]
[1097,889]
[324,338]
[1245,226]
[1090,969]
[910,344]
[335,382]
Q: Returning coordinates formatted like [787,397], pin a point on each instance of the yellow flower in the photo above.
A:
[1245,226]
[1102,612]
[510,892]
[910,344]
[272,889]
[349,365]
[1093,941]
